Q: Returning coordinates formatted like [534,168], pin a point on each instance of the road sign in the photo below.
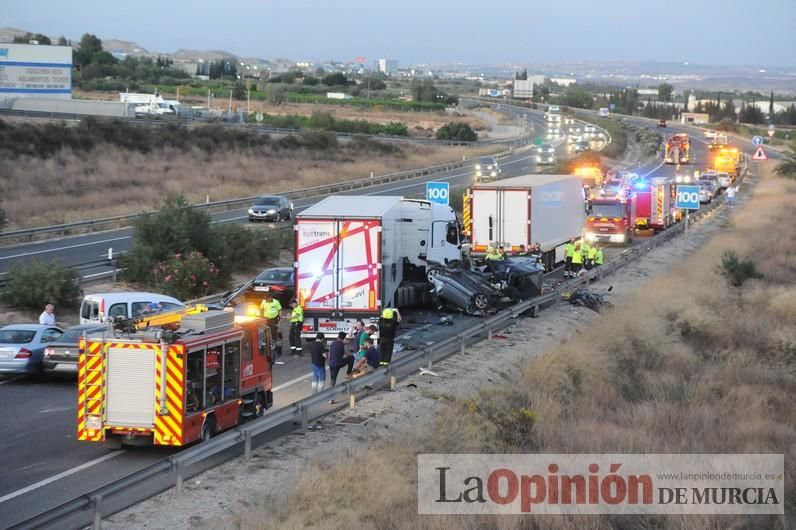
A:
[438,192]
[537,140]
[757,140]
[687,197]
[612,106]
[760,154]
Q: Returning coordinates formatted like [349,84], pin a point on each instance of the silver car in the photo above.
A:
[22,347]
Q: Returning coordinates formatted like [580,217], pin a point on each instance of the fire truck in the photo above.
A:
[678,149]
[654,201]
[173,378]
[728,161]
[612,219]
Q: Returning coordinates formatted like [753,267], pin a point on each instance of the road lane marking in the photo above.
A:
[65,248]
[292,382]
[59,476]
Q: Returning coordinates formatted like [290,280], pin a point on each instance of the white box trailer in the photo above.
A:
[358,254]
[546,210]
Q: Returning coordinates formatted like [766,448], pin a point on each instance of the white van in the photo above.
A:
[97,308]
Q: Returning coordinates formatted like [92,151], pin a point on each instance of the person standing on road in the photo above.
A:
[388,326]
[47,317]
[271,310]
[598,256]
[731,196]
[353,336]
[296,323]
[319,354]
[591,255]
[577,260]
[338,358]
[570,251]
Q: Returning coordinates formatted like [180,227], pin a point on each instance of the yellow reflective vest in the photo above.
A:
[297,315]
[271,309]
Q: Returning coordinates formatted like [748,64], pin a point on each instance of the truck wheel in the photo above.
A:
[112,442]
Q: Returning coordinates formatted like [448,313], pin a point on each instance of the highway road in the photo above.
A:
[43,463]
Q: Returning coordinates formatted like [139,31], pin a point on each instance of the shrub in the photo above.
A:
[727,124]
[187,276]
[735,270]
[33,285]
[456,131]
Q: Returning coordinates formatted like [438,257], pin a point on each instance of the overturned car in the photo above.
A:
[479,290]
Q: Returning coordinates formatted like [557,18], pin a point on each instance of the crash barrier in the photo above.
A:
[89,509]
[87,270]
[262,129]
[120,221]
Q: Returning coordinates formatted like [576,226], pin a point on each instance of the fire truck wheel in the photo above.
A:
[113,442]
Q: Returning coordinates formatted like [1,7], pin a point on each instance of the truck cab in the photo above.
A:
[611,220]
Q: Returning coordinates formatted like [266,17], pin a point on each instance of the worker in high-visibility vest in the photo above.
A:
[577,259]
[570,251]
[296,323]
[584,248]
[591,255]
[598,257]
[493,253]
[271,310]
[388,326]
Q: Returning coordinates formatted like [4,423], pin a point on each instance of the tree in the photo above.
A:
[751,114]
[665,91]
[521,76]
[771,106]
[457,131]
[62,41]
[335,79]
[89,45]
[578,97]
[238,91]
[30,37]
[277,95]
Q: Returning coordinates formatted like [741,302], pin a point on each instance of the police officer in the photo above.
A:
[271,310]
[570,251]
[296,323]
[388,325]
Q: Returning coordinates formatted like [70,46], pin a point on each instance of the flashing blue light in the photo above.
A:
[640,185]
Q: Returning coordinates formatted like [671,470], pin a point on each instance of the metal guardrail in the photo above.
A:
[175,467]
[85,266]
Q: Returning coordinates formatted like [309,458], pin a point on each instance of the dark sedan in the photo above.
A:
[61,356]
[270,208]
[279,282]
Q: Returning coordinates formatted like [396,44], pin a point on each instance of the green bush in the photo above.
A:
[187,276]
[35,284]
[456,131]
[735,270]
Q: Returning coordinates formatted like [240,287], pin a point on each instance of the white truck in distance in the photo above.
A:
[356,255]
[151,104]
[527,210]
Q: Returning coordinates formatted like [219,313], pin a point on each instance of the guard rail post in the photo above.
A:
[462,345]
[304,417]
[96,504]
[179,477]
[428,359]
[247,445]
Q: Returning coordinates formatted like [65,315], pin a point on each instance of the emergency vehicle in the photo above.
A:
[173,378]
[612,219]
[728,161]
[654,201]
[678,149]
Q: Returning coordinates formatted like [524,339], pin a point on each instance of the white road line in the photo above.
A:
[65,248]
[292,382]
[653,170]
[59,476]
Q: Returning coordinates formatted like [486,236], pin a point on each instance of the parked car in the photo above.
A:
[582,146]
[661,123]
[99,308]
[270,208]
[279,282]
[486,168]
[22,347]
[714,178]
[725,180]
[463,290]
[707,191]
[61,356]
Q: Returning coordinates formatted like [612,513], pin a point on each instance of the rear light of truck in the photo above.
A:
[24,353]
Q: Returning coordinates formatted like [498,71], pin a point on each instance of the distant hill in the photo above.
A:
[124,46]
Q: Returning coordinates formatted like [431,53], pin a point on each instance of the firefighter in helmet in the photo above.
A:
[388,325]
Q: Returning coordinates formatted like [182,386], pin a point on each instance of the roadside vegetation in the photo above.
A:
[32,285]
[100,168]
[325,121]
[701,360]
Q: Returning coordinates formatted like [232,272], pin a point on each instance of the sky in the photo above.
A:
[727,32]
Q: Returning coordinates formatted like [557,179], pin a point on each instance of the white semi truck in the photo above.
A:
[152,104]
[543,210]
[358,254]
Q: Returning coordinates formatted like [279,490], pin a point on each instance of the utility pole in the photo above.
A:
[248,100]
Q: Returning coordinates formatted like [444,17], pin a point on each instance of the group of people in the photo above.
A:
[497,252]
[356,350]
[581,255]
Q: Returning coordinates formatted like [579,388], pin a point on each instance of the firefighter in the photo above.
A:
[271,310]
[577,259]
[598,256]
[296,323]
[493,253]
[388,325]
[591,255]
[570,251]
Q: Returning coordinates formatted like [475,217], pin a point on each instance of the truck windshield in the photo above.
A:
[607,210]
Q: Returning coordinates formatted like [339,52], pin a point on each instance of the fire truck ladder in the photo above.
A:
[167,318]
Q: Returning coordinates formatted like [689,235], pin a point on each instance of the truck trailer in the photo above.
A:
[356,255]
[654,204]
[543,210]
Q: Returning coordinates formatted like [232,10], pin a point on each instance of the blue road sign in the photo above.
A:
[687,197]
[757,140]
[438,192]
[612,106]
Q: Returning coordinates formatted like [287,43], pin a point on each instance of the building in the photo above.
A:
[523,89]
[563,81]
[31,70]
[386,66]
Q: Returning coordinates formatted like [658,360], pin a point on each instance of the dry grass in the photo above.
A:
[710,371]
[112,181]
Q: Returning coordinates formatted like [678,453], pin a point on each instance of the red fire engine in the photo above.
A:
[655,200]
[199,373]
[678,149]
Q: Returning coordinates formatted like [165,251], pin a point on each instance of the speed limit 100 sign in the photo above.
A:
[687,197]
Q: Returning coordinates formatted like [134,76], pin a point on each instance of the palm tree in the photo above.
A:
[787,168]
